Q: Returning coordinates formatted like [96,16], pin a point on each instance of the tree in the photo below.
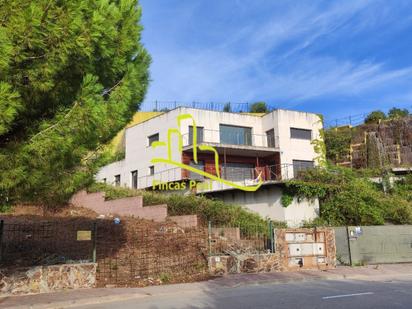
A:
[397,113]
[375,117]
[259,107]
[227,108]
[72,74]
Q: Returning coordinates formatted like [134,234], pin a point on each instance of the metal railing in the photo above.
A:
[216,137]
[240,239]
[241,175]
[171,174]
[237,107]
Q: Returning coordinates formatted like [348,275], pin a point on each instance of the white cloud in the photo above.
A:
[267,59]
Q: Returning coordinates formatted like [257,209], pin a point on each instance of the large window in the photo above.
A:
[270,137]
[117,180]
[134,179]
[300,133]
[300,165]
[152,138]
[199,131]
[238,171]
[234,135]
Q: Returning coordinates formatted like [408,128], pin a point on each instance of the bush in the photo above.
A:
[259,107]
[375,117]
[397,113]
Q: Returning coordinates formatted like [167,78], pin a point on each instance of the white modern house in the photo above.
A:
[273,147]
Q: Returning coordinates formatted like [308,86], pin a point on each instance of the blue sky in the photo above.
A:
[333,57]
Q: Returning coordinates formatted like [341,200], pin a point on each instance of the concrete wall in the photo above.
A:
[46,279]
[342,248]
[267,203]
[376,244]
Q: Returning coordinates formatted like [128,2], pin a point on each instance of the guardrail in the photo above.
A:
[217,137]
[244,176]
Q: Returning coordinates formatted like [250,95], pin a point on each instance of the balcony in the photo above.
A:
[239,175]
[234,140]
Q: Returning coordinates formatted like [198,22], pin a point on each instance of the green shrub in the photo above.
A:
[259,107]
[286,199]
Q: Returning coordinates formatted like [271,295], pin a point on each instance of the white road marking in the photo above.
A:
[347,295]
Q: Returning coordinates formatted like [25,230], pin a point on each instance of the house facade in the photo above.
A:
[272,147]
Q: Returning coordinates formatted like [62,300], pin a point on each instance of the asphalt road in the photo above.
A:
[346,294]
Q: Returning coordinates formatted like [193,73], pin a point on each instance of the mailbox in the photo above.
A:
[300,236]
[319,248]
[295,237]
[295,250]
[307,249]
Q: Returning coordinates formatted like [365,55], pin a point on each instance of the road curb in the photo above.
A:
[79,302]
[95,300]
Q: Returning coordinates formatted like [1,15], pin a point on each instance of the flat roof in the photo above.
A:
[213,111]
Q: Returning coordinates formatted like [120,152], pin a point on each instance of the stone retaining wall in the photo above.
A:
[45,279]
[248,263]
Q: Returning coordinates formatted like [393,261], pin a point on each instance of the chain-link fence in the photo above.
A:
[159,253]
[46,242]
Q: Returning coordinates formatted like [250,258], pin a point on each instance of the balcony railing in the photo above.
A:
[244,176]
[217,137]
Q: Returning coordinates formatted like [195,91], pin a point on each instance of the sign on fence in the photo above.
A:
[84,235]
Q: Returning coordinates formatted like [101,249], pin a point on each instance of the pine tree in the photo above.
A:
[72,74]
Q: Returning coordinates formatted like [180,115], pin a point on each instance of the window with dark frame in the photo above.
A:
[235,135]
[117,180]
[199,131]
[152,138]
[134,179]
[270,136]
[151,170]
[301,133]
[301,165]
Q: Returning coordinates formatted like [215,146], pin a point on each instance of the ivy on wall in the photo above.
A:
[319,145]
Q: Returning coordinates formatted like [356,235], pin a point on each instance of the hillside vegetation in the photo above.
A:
[216,211]
[387,142]
[350,197]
